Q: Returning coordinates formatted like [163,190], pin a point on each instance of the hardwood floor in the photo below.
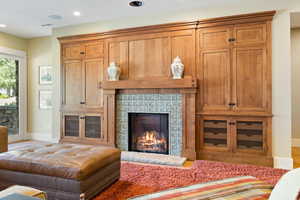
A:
[188,163]
[296,156]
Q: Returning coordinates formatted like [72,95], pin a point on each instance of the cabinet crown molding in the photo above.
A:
[244,18]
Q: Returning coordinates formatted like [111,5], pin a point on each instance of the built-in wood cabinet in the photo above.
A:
[234,108]
[234,134]
[83,65]
[82,78]
[230,59]
[234,72]
[79,127]
[149,56]
[240,137]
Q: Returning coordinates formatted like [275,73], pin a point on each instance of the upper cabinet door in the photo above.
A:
[93,78]
[183,45]
[215,38]
[248,34]
[72,52]
[215,83]
[73,84]
[93,50]
[250,77]
[118,53]
[149,58]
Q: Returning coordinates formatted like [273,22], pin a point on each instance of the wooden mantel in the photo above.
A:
[186,83]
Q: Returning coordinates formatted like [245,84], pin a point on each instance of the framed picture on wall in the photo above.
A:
[46,75]
[45,97]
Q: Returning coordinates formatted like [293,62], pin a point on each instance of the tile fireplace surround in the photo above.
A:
[150,103]
[177,98]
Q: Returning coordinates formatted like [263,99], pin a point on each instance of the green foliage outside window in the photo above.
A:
[7,78]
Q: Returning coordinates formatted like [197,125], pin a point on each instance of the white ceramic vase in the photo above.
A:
[177,68]
[113,72]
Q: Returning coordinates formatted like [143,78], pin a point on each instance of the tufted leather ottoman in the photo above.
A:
[3,139]
[63,171]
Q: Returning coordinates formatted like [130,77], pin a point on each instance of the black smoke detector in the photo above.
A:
[136,3]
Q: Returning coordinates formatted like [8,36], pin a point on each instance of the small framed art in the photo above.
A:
[45,99]
[46,75]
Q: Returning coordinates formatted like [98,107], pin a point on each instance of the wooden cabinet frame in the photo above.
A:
[82,138]
[192,41]
[250,156]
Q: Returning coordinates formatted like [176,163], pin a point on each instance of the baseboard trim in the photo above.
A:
[283,163]
[45,137]
[296,142]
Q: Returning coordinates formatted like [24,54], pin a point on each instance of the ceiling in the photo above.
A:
[24,18]
[295,20]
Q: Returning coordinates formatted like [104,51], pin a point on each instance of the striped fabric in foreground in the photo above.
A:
[237,188]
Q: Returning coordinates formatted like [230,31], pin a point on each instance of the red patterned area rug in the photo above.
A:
[139,179]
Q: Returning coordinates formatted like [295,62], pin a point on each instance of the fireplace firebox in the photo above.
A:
[148,132]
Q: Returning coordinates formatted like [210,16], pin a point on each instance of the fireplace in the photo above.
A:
[148,132]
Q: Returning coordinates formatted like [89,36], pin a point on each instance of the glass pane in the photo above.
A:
[250,135]
[9,109]
[93,127]
[72,126]
[215,133]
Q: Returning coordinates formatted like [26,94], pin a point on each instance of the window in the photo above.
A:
[9,106]
[13,93]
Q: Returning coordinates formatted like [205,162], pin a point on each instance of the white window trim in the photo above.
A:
[21,56]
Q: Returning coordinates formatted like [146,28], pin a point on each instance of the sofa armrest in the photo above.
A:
[3,139]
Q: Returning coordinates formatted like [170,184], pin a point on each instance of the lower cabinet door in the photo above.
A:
[71,125]
[251,135]
[215,134]
[93,127]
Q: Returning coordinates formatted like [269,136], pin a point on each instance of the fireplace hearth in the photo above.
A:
[148,132]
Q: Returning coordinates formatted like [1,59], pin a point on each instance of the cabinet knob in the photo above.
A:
[82,117]
[231,123]
[82,102]
[231,104]
[231,39]
[82,53]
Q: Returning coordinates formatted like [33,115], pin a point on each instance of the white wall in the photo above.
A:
[39,121]
[282,129]
[295,41]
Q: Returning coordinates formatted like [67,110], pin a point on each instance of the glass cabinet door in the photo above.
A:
[215,133]
[93,127]
[72,127]
[250,135]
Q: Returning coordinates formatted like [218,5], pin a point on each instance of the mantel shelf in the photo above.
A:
[185,83]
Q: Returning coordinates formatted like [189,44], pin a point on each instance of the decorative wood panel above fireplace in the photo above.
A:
[227,84]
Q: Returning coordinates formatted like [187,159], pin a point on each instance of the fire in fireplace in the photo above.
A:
[149,133]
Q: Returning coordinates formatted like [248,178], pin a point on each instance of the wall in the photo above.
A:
[39,121]
[295,41]
[13,42]
[281,59]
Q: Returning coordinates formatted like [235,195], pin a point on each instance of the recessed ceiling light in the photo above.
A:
[137,3]
[76,13]
[3,26]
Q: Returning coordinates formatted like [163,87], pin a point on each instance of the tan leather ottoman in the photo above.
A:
[63,171]
[3,139]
